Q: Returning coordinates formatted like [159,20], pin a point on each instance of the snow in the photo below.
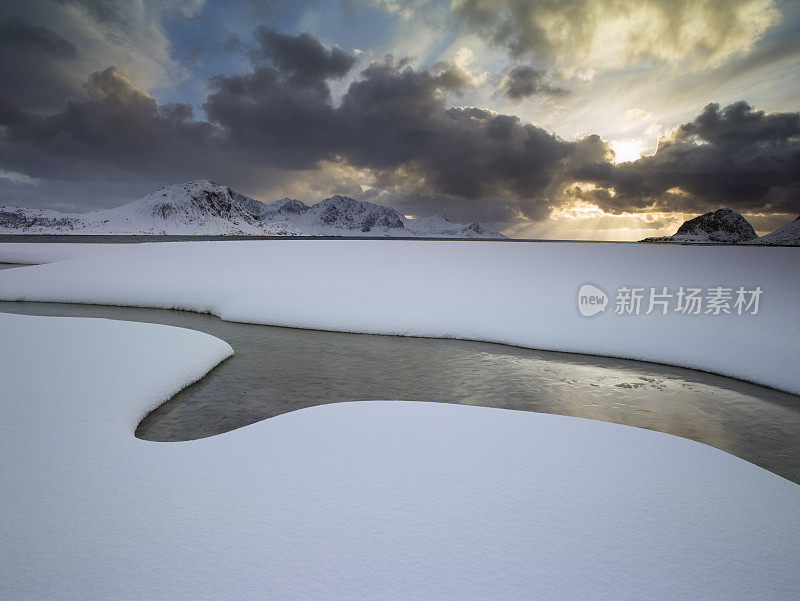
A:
[523,294]
[366,500]
[34,253]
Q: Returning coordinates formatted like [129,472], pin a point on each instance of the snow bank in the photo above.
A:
[369,500]
[524,294]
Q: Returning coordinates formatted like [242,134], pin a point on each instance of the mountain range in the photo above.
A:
[205,208]
[202,207]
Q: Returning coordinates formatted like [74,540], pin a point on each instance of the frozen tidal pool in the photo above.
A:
[278,370]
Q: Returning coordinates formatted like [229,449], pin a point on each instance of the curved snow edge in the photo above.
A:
[177,358]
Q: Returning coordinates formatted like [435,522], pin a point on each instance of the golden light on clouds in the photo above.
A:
[583,220]
[463,60]
[637,114]
[579,209]
[603,35]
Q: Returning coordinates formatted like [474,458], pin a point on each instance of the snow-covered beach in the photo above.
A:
[355,500]
[388,500]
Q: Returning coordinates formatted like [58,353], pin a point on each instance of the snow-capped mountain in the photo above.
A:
[202,207]
[788,235]
[722,225]
[439,224]
[342,213]
[196,207]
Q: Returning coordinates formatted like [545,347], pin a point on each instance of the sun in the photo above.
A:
[628,149]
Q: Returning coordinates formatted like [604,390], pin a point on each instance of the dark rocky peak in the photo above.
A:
[477,227]
[722,225]
[343,211]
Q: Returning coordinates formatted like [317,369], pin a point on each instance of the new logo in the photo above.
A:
[591,300]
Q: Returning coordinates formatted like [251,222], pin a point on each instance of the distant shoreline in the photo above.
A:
[139,238]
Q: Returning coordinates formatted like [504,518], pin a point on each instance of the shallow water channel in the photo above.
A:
[277,370]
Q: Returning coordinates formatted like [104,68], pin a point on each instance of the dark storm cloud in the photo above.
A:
[392,121]
[118,125]
[738,125]
[395,121]
[34,63]
[273,119]
[281,112]
[525,81]
[734,157]
[301,56]
[18,33]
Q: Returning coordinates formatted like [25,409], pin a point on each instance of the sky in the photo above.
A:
[559,119]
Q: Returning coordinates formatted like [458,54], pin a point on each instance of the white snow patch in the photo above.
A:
[524,294]
[367,500]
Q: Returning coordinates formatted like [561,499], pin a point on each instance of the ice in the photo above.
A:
[523,294]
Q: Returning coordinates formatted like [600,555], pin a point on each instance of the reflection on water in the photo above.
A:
[276,370]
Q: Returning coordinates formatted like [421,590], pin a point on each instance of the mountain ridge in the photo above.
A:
[203,207]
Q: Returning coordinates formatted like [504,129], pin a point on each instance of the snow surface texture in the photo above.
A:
[367,500]
[202,207]
[36,253]
[524,294]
